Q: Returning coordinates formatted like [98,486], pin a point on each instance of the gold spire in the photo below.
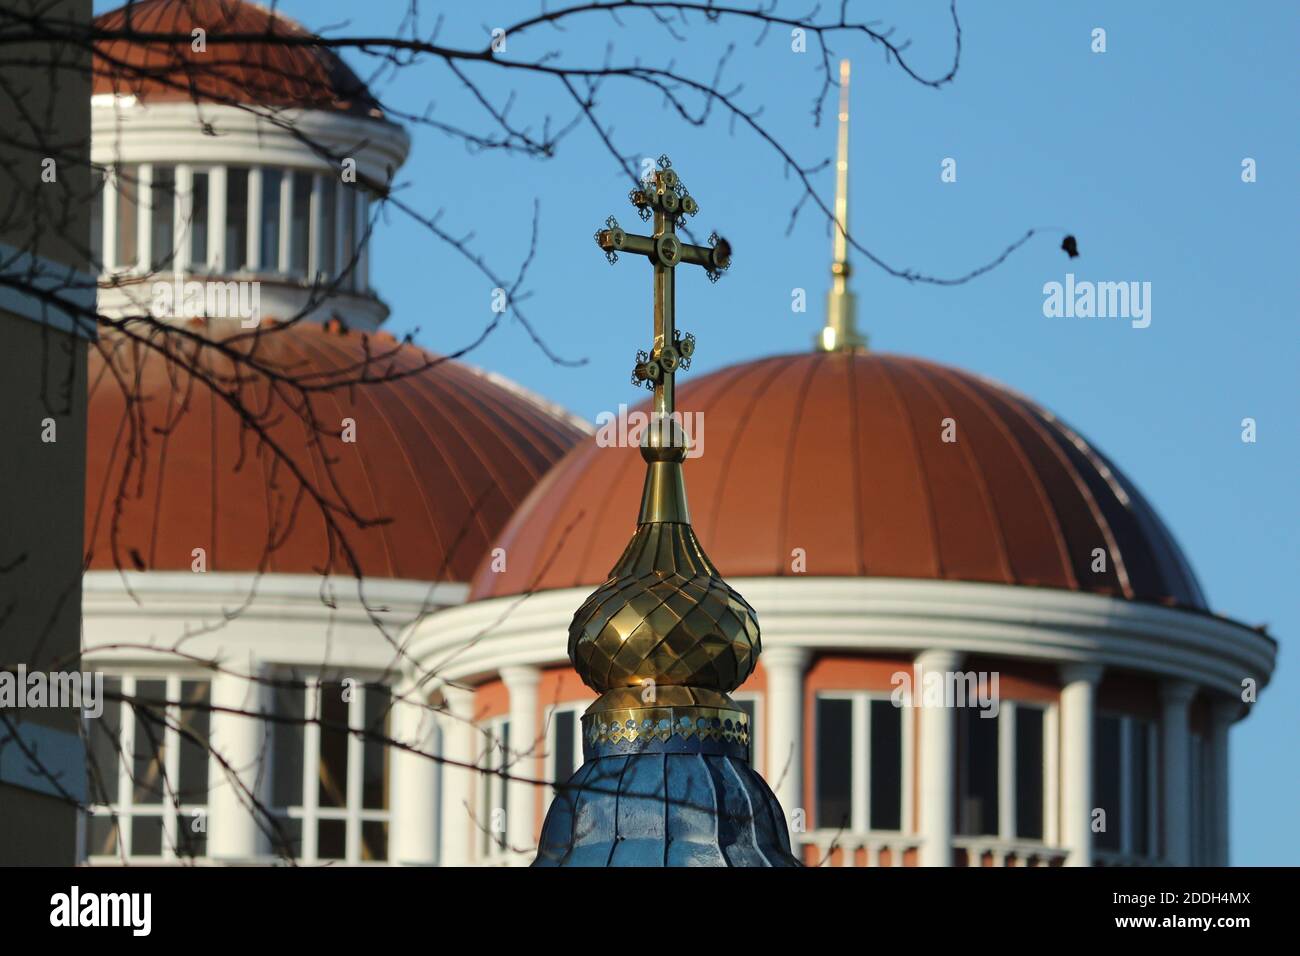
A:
[840,334]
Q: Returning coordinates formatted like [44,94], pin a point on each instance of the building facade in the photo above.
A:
[981,644]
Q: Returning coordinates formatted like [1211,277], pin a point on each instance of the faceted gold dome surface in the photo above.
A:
[665,614]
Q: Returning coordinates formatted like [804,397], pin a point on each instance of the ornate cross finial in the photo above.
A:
[663,196]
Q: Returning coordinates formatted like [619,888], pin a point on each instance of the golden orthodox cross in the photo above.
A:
[664,197]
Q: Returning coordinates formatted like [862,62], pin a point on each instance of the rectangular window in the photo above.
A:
[333,768]
[329,210]
[148,769]
[344,813]
[374,786]
[300,234]
[97,201]
[860,763]
[193,717]
[104,742]
[150,740]
[748,702]
[977,773]
[1199,819]
[348,236]
[199,221]
[563,747]
[237,219]
[288,706]
[271,179]
[834,763]
[162,213]
[1140,755]
[886,800]
[1107,781]
[493,806]
[566,760]
[1123,755]
[1029,772]
[128,212]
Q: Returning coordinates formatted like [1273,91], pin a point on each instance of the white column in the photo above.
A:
[784,667]
[457,732]
[413,836]
[1078,704]
[1222,715]
[233,831]
[521,797]
[937,765]
[1175,762]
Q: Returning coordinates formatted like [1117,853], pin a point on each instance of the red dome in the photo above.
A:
[444,456]
[268,74]
[842,455]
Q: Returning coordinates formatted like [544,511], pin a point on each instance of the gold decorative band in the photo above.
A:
[691,729]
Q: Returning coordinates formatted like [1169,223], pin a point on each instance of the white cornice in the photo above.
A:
[275,618]
[279,298]
[174,133]
[889,615]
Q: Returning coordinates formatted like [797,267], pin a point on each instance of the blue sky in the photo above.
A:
[1136,151]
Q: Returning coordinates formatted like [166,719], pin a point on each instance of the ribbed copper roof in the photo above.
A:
[267,74]
[842,455]
[446,455]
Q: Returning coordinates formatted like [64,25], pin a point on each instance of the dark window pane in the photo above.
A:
[374,841]
[562,745]
[1140,786]
[363,243]
[128,209]
[148,768]
[886,766]
[194,716]
[749,708]
[104,735]
[287,745]
[236,219]
[348,227]
[328,210]
[1106,780]
[162,201]
[834,760]
[1196,797]
[977,811]
[146,836]
[374,785]
[300,235]
[101,835]
[1029,773]
[97,222]
[333,776]
[199,221]
[286,838]
[271,219]
[331,839]
[191,838]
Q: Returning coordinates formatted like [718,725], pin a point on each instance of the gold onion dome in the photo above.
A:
[666,616]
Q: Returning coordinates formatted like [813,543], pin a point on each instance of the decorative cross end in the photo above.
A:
[676,357]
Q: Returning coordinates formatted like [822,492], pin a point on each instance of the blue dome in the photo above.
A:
[665,807]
